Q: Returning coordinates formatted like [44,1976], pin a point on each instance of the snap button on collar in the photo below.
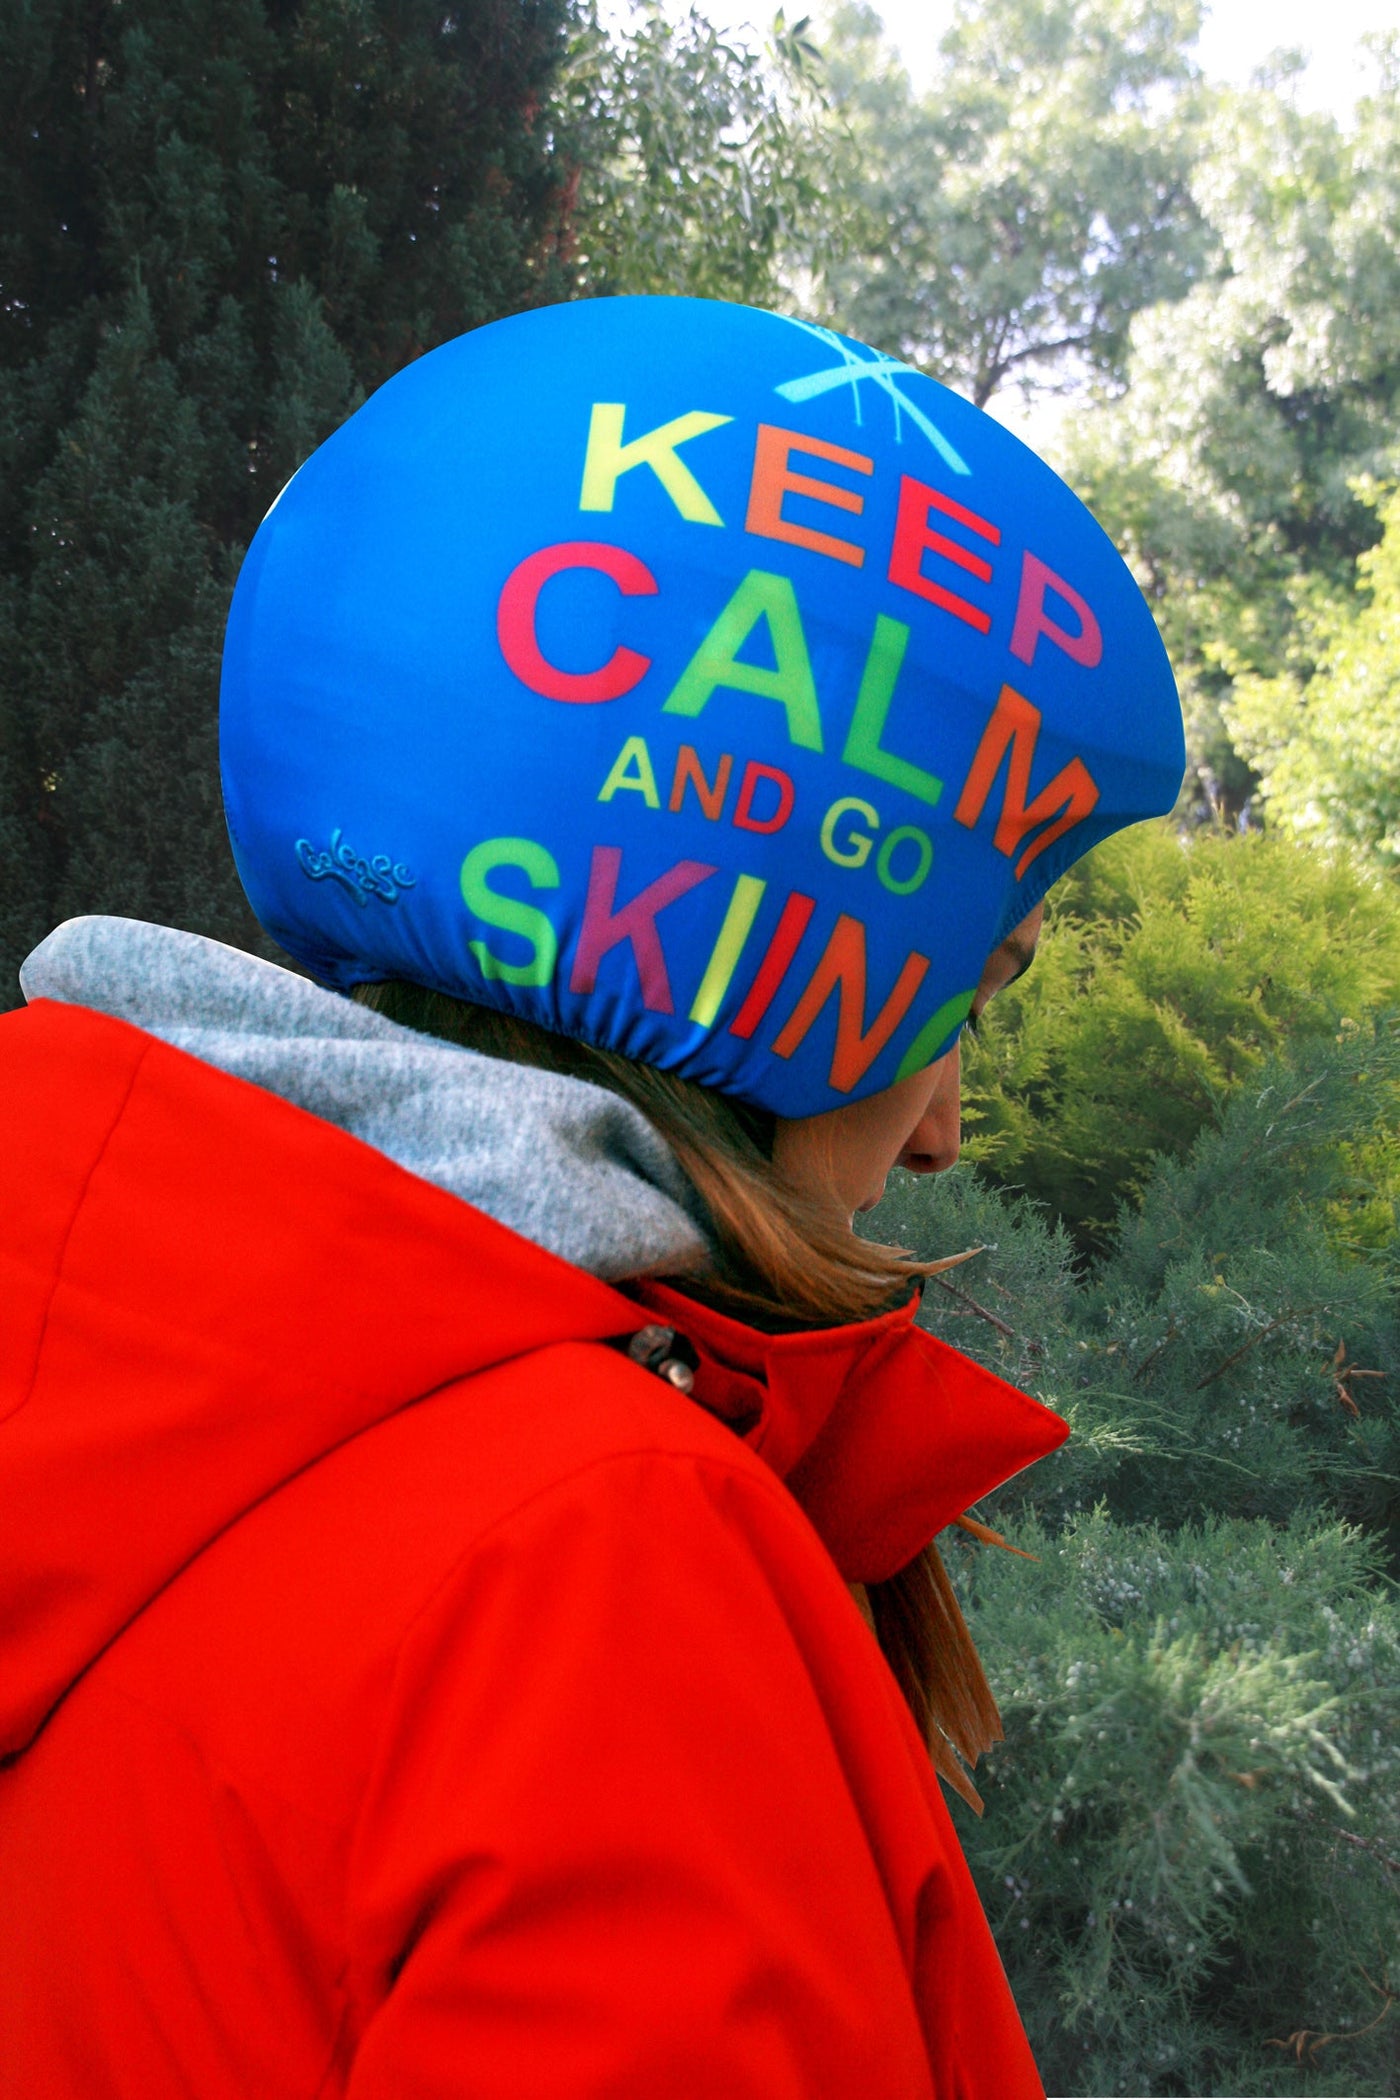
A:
[667,1353]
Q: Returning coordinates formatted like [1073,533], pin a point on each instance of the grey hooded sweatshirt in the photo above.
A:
[565,1164]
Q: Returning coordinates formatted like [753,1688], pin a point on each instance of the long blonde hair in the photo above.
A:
[783,1259]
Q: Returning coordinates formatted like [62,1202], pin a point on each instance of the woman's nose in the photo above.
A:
[936,1139]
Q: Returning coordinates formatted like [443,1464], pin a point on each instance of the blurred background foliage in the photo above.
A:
[221,225]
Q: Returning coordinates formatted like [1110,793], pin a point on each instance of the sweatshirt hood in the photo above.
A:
[565,1164]
[204,1289]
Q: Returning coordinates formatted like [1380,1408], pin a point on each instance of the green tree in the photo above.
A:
[1009,223]
[1192,1829]
[1015,217]
[1327,745]
[219,226]
[1198,1358]
[704,164]
[1169,971]
[1189,1846]
[1233,470]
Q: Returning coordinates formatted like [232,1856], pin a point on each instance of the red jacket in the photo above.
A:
[405,1695]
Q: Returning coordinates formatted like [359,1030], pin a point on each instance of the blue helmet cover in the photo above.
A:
[697,682]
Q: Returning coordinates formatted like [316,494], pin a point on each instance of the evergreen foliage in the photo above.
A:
[1169,970]
[220,225]
[1192,1833]
[1191,1848]
[1198,1361]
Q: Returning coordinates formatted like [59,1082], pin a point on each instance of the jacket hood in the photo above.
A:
[203,1289]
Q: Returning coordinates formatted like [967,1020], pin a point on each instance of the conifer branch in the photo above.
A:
[1152,1355]
[981,1311]
[1294,1313]
[1349,1837]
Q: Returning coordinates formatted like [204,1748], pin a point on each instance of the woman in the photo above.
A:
[438,1472]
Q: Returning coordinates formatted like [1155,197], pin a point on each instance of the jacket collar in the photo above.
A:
[883,1433]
